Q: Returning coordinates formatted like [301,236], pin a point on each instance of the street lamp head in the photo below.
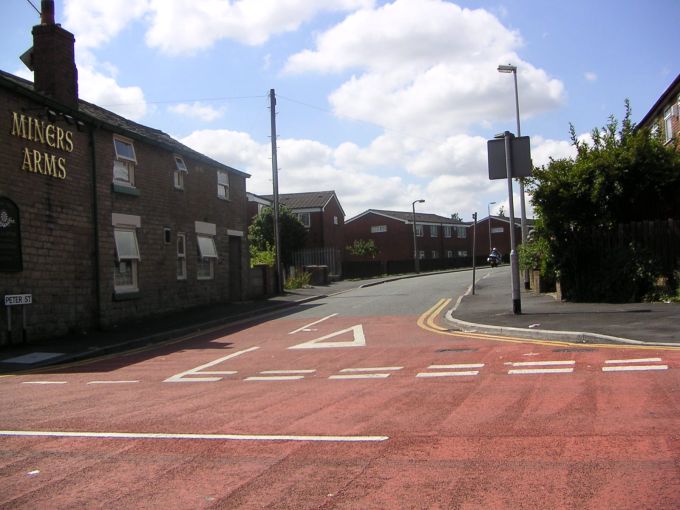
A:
[421,201]
[507,68]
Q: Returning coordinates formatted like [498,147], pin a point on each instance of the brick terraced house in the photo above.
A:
[103,220]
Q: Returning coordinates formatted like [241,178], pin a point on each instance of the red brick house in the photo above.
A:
[104,220]
[664,116]
[438,238]
[323,217]
[499,236]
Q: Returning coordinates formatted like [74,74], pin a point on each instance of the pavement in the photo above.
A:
[489,310]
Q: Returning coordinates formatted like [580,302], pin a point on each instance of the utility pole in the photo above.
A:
[275,180]
[474,250]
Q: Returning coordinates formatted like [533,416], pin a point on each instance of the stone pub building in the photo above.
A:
[103,220]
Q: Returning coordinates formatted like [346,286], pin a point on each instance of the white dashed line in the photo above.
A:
[182,377]
[454,367]
[307,326]
[635,368]
[448,374]
[44,382]
[527,371]
[112,382]
[639,360]
[541,363]
[370,369]
[275,378]
[360,376]
[283,372]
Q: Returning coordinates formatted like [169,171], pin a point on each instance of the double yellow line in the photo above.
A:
[427,321]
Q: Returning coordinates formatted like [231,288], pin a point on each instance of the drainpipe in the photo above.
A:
[95,229]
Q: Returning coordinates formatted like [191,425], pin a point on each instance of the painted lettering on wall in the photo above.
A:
[54,137]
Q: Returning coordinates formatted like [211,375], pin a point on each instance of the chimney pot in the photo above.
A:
[47,12]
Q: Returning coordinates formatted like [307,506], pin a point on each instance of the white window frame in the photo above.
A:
[447,231]
[180,170]
[668,123]
[305,218]
[419,230]
[449,254]
[206,254]
[335,220]
[462,253]
[376,229]
[434,230]
[181,256]
[124,162]
[222,185]
[435,254]
[131,257]
[421,254]
[461,232]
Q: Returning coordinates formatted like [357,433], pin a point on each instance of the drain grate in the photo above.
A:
[457,350]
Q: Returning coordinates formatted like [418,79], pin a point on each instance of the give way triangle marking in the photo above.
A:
[321,343]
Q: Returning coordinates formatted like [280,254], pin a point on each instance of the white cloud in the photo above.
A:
[590,76]
[197,110]
[426,63]
[186,26]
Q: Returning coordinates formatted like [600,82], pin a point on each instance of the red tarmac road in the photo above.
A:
[365,413]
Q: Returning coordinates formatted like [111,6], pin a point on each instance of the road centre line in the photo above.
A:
[45,382]
[541,363]
[282,372]
[453,367]
[634,368]
[370,369]
[197,371]
[448,374]
[360,376]
[312,324]
[223,437]
[640,360]
[112,382]
[275,378]
[526,371]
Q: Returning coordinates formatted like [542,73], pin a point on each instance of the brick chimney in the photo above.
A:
[53,59]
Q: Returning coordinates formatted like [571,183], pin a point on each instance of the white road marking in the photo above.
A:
[275,378]
[454,367]
[541,371]
[44,382]
[112,382]
[639,360]
[320,343]
[448,374]
[633,368]
[370,369]
[541,363]
[223,437]
[197,371]
[360,376]
[307,326]
[276,372]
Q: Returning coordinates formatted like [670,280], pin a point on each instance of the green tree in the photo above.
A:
[623,175]
[363,248]
[292,234]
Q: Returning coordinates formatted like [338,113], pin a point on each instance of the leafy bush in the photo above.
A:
[298,281]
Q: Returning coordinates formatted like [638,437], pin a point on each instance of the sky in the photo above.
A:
[385,102]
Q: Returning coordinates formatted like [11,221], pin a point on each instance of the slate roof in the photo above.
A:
[105,118]
[307,200]
[407,217]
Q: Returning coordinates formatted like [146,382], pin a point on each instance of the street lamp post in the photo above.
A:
[488,209]
[513,69]
[416,262]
